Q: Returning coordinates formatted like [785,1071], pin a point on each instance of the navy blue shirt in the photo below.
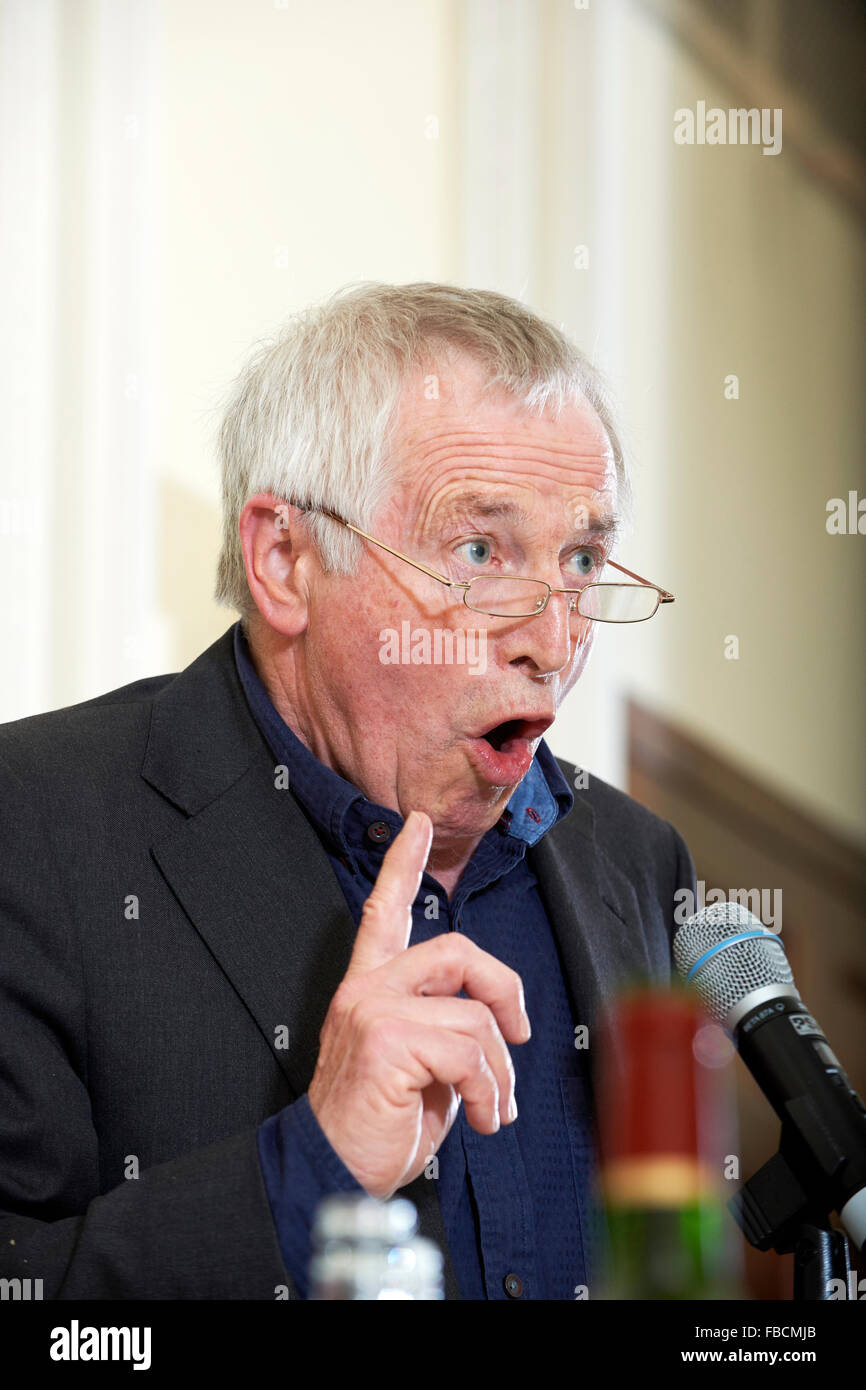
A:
[518,1202]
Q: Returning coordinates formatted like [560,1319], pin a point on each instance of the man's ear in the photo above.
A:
[278,557]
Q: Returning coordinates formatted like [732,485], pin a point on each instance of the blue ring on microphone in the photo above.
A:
[732,941]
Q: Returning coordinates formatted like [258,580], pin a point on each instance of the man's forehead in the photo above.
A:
[454,397]
[449,440]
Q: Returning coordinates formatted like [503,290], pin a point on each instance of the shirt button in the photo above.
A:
[378,832]
[513,1285]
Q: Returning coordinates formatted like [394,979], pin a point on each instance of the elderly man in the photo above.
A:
[266,923]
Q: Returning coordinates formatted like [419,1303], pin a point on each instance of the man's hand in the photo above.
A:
[397,1049]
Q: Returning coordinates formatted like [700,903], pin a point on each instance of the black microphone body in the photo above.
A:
[740,971]
[823,1117]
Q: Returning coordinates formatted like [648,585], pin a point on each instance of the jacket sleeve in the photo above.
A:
[300,1168]
[197,1227]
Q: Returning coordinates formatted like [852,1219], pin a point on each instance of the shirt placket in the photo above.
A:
[505,1213]
[494,1163]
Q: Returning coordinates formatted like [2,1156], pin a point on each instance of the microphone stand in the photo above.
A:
[775,1212]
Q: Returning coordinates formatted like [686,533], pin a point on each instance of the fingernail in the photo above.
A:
[512,1109]
[526,1029]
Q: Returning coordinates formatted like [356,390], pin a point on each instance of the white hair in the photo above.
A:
[310,417]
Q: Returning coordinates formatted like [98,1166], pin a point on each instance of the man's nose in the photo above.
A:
[547,640]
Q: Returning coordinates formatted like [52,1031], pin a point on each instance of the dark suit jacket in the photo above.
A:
[164,909]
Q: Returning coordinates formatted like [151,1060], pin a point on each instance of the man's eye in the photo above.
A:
[478,551]
[585,561]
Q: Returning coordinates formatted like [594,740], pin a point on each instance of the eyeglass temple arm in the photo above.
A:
[664,596]
[452,583]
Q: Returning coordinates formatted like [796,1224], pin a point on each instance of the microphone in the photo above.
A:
[741,973]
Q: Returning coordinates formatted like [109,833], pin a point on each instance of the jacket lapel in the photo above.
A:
[285,948]
[589,906]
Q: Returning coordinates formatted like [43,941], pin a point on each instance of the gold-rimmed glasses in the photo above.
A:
[511,596]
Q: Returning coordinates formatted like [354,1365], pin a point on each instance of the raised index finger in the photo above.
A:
[386,922]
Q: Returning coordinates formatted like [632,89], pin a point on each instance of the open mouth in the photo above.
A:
[501,734]
[502,754]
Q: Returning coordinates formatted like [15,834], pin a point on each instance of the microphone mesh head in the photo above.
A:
[732,973]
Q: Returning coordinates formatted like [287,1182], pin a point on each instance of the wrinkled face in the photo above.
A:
[485,487]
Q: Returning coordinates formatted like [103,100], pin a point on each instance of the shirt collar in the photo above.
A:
[541,800]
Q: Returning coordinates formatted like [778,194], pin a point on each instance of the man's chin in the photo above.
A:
[469,810]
